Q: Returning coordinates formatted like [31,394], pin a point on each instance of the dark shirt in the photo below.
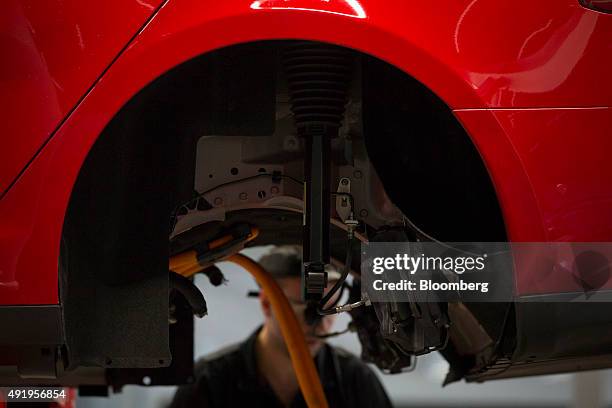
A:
[229,378]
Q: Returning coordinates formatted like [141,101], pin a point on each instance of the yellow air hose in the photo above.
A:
[187,264]
[303,363]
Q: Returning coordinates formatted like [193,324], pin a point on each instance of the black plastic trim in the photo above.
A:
[30,325]
[596,5]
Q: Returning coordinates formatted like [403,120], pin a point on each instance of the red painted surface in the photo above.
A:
[565,154]
[475,54]
[52,52]
[70,400]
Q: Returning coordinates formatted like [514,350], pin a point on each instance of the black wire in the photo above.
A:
[339,283]
[336,333]
[203,193]
[190,293]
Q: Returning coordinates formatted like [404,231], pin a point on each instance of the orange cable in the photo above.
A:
[303,363]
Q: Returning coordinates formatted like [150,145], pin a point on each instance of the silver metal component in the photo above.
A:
[238,172]
[280,147]
[343,202]
[283,202]
[350,306]
[171,314]
[344,206]
[291,143]
[315,281]
[351,226]
[221,170]
[366,188]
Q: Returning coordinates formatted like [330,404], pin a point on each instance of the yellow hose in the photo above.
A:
[303,363]
[184,260]
[186,263]
[308,379]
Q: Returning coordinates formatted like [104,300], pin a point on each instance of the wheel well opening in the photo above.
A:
[430,167]
[146,168]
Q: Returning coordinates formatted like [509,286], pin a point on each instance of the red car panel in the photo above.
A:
[565,155]
[52,52]
[474,54]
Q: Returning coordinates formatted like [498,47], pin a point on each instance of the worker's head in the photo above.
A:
[284,263]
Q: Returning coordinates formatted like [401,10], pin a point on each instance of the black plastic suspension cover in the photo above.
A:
[318,77]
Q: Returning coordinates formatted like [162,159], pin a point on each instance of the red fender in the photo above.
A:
[474,55]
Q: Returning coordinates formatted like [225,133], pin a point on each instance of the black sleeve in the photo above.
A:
[187,396]
[196,394]
[370,392]
[190,395]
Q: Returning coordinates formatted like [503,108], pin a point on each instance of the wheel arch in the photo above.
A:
[171,38]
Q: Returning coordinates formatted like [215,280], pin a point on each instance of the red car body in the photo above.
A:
[528,80]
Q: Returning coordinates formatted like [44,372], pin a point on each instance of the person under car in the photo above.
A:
[258,372]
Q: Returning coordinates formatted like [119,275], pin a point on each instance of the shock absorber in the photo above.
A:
[318,77]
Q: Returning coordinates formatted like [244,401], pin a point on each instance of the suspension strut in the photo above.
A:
[318,77]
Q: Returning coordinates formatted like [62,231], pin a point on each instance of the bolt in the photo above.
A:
[363,213]
[243,196]
[274,190]
[218,201]
[290,144]
[357,174]
[344,181]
